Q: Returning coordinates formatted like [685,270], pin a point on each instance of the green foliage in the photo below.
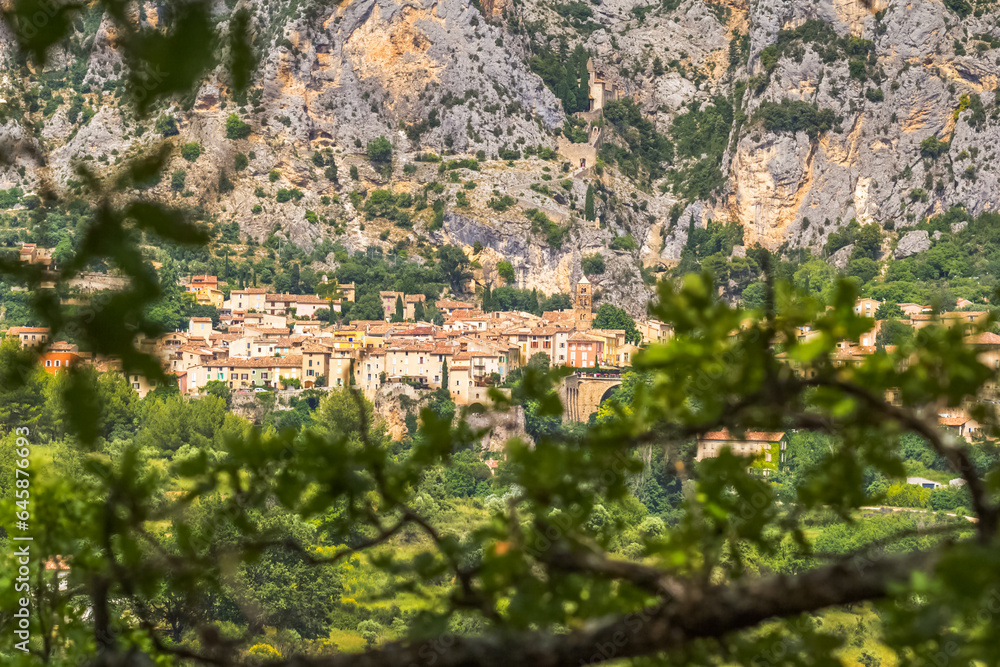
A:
[541,224]
[588,206]
[506,271]
[284,194]
[191,151]
[613,317]
[647,150]
[236,128]
[379,150]
[960,7]
[166,126]
[563,72]
[501,203]
[933,147]
[241,162]
[795,116]
[627,243]
[10,198]
[593,264]
[177,179]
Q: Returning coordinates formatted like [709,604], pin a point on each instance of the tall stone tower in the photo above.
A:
[582,308]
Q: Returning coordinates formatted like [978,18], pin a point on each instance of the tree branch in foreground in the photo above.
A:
[715,612]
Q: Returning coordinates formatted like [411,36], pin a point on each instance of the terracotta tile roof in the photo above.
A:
[201,319]
[28,330]
[953,421]
[416,331]
[252,290]
[271,331]
[414,298]
[309,298]
[749,436]
[290,361]
[985,338]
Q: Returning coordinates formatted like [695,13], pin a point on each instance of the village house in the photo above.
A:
[446,306]
[767,447]
[911,309]
[969,320]
[302,305]
[960,423]
[866,307]
[200,327]
[59,357]
[369,371]
[206,290]
[246,373]
[29,336]
[614,345]
[585,351]
[247,299]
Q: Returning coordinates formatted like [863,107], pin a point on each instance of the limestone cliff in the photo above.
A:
[462,79]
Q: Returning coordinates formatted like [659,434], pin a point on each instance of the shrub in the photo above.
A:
[501,203]
[257,208]
[236,128]
[593,264]
[379,150]
[167,126]
[177,179]
[191,151]
[225,184]
[797,116]
[933,147]
[273,175]
[241,162]
[354,173]
[626,242]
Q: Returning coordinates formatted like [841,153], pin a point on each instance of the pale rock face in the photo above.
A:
[911,243]
[338,76]
[840,258]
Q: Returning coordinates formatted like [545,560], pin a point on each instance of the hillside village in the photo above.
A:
[266,341]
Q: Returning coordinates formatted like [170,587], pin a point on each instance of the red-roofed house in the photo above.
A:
[767,447]
[961,423]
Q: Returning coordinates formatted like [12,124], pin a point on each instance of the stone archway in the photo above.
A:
[583,393]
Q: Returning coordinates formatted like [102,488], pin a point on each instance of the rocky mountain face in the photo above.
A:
[832,110]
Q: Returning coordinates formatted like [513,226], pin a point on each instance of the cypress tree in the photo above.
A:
[398,316]
[583,89]
[533,303]
[487,300]
[418,311]
[588,206]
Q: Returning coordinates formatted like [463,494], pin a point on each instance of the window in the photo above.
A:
[48,362]
[58,363]
[135,385]
[244,377]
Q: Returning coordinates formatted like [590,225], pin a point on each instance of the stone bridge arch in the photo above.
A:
[582,394]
